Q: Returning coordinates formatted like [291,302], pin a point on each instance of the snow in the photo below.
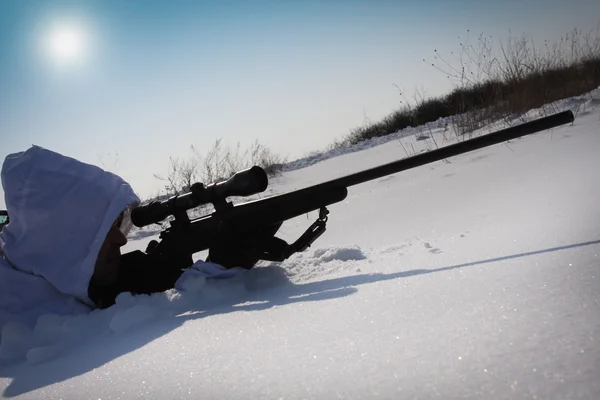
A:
[472,278]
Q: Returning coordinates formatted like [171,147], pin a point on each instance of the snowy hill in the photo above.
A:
[473,278]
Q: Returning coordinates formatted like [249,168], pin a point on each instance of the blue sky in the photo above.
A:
[154,77]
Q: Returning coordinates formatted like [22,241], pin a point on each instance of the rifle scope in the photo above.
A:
[243,183]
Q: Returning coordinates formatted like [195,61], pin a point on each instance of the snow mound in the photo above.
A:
[323,261]
[338,253]
[130,317]
[55,335]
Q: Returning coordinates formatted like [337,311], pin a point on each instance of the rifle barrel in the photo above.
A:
[503,135]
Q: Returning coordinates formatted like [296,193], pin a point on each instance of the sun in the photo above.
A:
[66,44]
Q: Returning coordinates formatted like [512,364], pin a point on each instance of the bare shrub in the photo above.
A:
[217,163]
[260,155]
[181,175]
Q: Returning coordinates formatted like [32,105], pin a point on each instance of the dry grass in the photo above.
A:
[497,83]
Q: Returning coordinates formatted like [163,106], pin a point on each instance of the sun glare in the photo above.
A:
[66,44]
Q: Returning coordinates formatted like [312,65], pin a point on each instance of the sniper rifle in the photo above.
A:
[242,234]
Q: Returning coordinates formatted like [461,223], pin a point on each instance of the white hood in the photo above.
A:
[60,212]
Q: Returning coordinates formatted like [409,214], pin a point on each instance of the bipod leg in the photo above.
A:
[311,234]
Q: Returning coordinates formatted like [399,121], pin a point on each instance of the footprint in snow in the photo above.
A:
[432,250]
[481,157]
[395,249]
[387,178]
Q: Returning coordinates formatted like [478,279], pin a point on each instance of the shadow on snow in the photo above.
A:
[105,347]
